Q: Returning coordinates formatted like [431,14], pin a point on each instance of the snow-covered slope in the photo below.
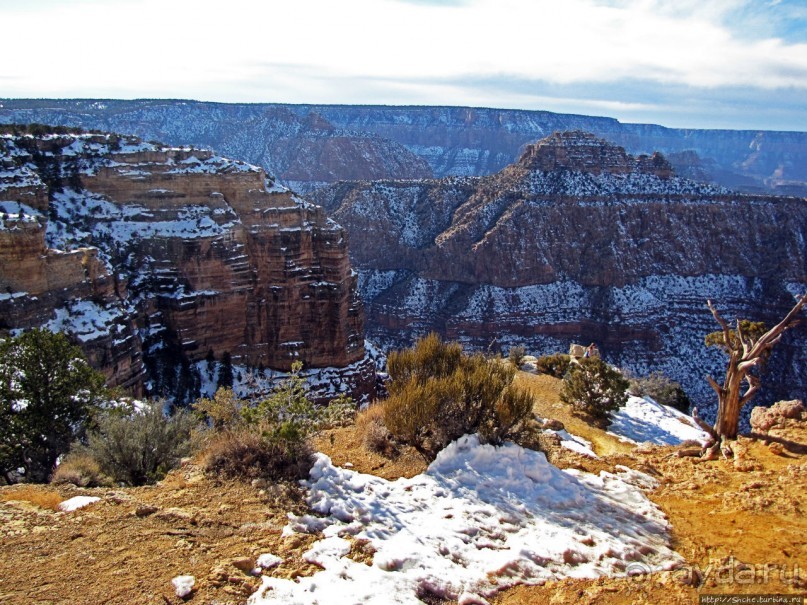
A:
[480,519]
[643,420]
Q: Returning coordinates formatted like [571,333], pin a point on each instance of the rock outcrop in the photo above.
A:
[310,145]
[578,241]
[162,261]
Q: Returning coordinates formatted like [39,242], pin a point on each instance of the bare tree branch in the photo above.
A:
[721,321]
[771,337]
[701,423]
[718,389]
[753,387]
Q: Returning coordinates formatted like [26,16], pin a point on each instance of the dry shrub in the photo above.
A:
[438,394]
[248,454]
[36,496]
[375,435]
[516,355]
[141,446]
[81,469]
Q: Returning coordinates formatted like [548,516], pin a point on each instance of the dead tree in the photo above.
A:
[745,353]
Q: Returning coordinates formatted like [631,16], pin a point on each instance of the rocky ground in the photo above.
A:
[738,523]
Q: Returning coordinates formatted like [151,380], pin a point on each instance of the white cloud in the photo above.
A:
[288,50]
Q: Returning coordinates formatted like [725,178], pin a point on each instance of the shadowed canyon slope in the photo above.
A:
[161,260]
[308,145]
[578,241]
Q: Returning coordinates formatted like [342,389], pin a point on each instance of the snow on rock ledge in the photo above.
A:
[643,420]
[480,519]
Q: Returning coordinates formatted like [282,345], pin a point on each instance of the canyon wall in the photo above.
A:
[579,241]
[307,146]
[158,259]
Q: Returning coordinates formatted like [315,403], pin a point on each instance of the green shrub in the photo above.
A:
[141,446]
[268,439]
[516,355]
[555,365]
[662,389]
[438,394]
[592,387]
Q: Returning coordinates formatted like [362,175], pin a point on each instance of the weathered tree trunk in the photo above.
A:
[744,355]
[728,409]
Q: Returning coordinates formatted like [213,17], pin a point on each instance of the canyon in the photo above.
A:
[579,241]
[164,263]
[306,146]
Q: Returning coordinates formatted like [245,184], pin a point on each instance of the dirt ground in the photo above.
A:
[740,526]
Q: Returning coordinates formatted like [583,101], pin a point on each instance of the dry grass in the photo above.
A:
[35,495]
[374,434]
[82,470]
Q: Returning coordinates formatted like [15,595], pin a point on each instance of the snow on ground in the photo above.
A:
[574,443]
[14,213]
[479,519]
[642,419]
[77,502]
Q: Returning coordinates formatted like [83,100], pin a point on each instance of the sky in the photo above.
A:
[683,63]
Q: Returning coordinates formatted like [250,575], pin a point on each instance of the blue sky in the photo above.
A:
[682,63]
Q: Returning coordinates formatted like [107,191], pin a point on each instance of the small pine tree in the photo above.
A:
[48,393]
[287,413]
[592,387]
[226,371]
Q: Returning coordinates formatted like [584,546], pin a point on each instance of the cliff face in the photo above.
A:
[578,241]
[161,259]
[310,145]
[301,150]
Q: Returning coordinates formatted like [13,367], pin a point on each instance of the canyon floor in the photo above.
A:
[739,525]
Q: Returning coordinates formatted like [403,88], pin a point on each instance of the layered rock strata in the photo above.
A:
[310,145]
[194,255]
[578,241]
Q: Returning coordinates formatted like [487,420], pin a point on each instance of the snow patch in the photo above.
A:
[77,502]
[480,519]
[642,419]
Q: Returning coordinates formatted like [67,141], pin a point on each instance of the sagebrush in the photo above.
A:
[141,445]
[438,394]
